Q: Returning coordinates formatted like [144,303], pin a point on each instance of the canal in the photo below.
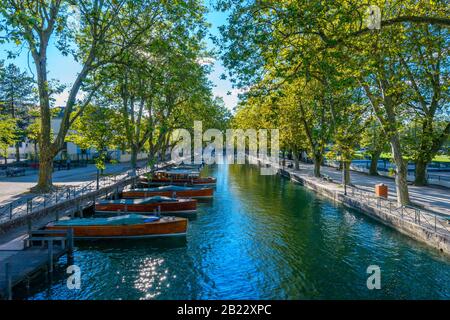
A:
[261,237]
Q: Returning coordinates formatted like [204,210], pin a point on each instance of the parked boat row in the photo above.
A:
[179,176]
[142,212]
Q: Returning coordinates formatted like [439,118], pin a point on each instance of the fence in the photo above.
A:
[432,178]
[427,219]
[26,206]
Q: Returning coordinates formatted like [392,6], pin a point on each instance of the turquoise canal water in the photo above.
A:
[261,237]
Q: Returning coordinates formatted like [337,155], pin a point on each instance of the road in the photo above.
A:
[17,187]
[429,197]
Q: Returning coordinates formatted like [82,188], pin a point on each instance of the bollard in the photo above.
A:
[10,211]
[70,241]
[29,225]
[29,205]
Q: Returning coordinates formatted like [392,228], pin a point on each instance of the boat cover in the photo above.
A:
[166,188]
[128,219]
[155,199]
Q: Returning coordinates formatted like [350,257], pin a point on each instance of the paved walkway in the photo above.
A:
[18,187]
[432,198]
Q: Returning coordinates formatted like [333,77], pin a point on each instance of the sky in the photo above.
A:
[65,69]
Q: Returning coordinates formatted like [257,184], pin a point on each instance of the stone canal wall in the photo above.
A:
[410,221]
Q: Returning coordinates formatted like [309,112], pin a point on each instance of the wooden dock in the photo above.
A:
[41,250]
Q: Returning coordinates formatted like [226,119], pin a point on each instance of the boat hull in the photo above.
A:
[165,227]
[194,194]
[182,206]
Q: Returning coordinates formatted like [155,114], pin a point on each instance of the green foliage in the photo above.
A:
[8,135]
[97,128]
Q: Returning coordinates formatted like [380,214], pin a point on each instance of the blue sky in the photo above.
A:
[65,69]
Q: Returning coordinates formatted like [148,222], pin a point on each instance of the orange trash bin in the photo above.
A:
[381,190]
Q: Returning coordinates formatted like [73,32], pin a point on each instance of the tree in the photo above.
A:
[103,30]
[426,66]
[7,135]
[17,95]
[291,40]
[374,142]
[97,128]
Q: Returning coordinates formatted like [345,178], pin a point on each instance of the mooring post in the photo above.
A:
[159,211]
[57,215]
[70,244]
[29,205]
[8,280]
[50,256]
[80,212]
[29,225]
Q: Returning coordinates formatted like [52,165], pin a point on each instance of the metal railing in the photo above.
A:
[424,218]
[28,205]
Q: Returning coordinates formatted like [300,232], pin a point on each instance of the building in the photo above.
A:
[27,149]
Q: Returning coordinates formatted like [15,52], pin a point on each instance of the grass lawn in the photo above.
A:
[442,158]
[439,158]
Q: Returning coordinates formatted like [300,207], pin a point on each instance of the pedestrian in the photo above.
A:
[68,163]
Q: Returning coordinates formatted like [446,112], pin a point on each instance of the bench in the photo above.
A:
[14,172]
[327,178]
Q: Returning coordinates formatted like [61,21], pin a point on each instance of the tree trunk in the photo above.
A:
[421,172]
[17,152]
[134,152]
[35,152]
[346,173]
[45,173]
[401,182]
[296,160]
[45,140]
[317,163]
[374,157]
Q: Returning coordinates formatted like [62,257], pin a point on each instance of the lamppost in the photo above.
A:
[344,180]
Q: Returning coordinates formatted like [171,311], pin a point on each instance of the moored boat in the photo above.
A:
[179,178]
[170,191]
[148,205]
[123,227]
